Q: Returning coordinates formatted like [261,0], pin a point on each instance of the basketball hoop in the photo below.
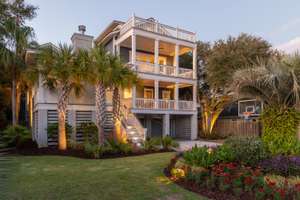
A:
[247,115]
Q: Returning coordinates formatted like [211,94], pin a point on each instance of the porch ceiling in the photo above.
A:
[147,45]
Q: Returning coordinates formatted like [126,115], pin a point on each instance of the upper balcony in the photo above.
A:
[153,26]
[150,55]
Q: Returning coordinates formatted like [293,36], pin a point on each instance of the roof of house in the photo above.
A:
[110,28]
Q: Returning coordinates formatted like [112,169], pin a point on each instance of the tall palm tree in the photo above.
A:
[61,69]
[121,77]
[100,77]
[14,39]
[12,54]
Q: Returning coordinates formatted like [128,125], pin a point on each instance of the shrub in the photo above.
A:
[282,165]
[52,130]
[249,151]
[279,130]
[150,144]
[168,143]
[200,156]
[225,153]
[93,150]
[15,135]
[115,147]
[90,132]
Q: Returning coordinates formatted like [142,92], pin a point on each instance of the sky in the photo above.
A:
[277,21]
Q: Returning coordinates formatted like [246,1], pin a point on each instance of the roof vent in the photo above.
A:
[82,29]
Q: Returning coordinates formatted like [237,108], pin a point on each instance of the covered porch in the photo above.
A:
[161,95]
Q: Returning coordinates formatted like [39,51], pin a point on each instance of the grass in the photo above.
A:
[58,177]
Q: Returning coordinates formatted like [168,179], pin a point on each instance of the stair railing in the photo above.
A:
[125,114]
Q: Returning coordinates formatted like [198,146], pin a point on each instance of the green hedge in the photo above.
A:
[280,130]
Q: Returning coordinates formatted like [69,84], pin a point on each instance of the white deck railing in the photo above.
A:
[185,105]
[162,104]
[185,73]
[155,27]
[167,70]
[145,103]
[145,67]
[163,69]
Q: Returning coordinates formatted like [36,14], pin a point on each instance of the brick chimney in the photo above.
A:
[81,40]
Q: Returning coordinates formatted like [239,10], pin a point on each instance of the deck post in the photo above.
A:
[156,56]
[156,94]
[176,60]
[176,95]
[166,124]
[195,62]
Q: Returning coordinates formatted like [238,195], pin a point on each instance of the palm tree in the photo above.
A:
[275,82]
[121,77]
[14,39]
[12,54]
[100,77]
[62,70]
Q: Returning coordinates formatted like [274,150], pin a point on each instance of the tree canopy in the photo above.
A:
[234,53]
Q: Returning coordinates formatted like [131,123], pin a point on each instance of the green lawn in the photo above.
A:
[58,177]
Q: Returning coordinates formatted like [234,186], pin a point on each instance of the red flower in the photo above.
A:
[271,183]
[248,180]
[231,166]
[281,192]
[227,180]
[297,187]
[261,189]
[225,174]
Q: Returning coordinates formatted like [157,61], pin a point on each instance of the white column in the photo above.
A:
[194,127]
[156,54]
[114,51]
[195,62]
[133,49]
[195,96]
[176,59]
[166,125]
[156,92]
[176,95]
[133,96]
[118,49]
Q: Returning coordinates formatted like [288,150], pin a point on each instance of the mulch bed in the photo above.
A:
[193,187]
[78,153]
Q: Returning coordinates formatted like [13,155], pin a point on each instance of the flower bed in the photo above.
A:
[226,172]
[111,149]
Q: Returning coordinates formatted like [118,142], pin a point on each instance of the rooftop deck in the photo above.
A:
[152,25]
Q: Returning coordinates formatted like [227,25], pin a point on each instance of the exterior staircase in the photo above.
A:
[108,125]
[136,133]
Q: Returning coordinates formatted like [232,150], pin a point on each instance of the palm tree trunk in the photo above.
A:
[116,103]
[29,108]
[100,110]
[62,110]
[18,101]
[116,107]
[13,101]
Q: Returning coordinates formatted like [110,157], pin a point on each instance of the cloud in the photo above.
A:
[290,47]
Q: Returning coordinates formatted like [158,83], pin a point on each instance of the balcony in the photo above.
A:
[152,25]
[166,70]
[161,104]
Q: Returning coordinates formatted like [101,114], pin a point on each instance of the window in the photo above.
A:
[166,94]
[148,93]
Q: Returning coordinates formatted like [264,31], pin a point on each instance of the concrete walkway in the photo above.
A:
[188,144]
